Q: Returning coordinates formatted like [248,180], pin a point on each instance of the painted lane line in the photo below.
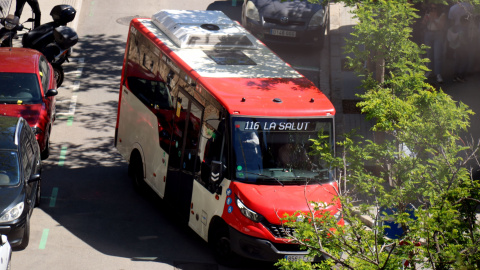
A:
[70,120]
[71,110]
[63,153]
[79,73]
[73,104]
[76,84]
[76,72]
[43,241]
[53,198]
[92,8]
[79,60]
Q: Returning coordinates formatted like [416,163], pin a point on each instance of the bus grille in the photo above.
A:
[277,21]
[280,231]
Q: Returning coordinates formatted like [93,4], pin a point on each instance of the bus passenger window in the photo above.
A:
[152,93]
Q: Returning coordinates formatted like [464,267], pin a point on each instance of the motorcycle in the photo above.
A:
[54,39]
[10,27]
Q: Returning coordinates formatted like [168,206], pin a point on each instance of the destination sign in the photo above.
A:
[278,126]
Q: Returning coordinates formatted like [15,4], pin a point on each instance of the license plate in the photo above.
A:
[293,258]
[283,33]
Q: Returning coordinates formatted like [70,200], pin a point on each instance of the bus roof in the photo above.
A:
[248,79]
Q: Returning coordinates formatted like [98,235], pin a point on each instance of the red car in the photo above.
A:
[28,89]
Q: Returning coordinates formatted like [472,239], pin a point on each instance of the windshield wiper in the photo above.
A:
[309,179]
[266,176]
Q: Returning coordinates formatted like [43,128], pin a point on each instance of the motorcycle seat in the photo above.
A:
[40,36]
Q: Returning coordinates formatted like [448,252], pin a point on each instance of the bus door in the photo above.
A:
[183,159]
[208,198]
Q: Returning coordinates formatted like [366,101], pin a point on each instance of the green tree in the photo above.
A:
[417,174]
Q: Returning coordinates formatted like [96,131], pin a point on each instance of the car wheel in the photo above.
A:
[59,75]
[26,236]
[39,194]
[46,152]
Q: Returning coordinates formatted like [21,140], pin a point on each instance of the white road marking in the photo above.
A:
[75,86]
[71,111]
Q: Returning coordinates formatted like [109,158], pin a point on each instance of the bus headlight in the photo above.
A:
[13,213]
[338,215]
[251,11]
[247,212]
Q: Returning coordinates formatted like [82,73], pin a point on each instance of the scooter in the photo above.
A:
[10,28]
[54,39]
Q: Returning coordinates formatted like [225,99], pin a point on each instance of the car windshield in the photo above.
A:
[19,88]
[278,151]
[9,168]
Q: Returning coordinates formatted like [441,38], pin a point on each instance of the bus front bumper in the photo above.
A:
[264,250]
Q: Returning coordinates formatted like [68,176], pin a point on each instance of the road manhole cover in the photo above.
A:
[126,20]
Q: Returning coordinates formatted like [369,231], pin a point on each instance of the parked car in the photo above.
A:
[5,253]
[20,183]
[28,89]
[287,22]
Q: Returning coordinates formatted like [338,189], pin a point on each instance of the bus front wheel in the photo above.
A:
[221,246]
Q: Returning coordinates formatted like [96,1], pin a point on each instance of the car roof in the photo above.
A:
[19,60]
[8,126]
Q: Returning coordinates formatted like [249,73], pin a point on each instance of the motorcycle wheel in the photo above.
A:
[58,74]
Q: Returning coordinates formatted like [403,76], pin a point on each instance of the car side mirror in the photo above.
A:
[34,178]
[51,93]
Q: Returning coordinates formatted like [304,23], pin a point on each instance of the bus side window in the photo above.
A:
[152,93]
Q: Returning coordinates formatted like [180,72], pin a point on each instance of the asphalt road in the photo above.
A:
[90,217]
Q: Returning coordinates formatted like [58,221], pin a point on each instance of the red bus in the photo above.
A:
[220,128]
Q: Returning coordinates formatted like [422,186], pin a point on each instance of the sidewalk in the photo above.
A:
[45,8]
[343,84]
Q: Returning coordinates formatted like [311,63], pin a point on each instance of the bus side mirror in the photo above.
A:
[216,175]
[216,172]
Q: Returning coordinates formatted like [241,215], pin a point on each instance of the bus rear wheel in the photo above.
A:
[135,171]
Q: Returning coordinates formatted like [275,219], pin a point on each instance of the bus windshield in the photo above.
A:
[278,151]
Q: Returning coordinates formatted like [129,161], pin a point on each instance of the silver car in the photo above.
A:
[286,21]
